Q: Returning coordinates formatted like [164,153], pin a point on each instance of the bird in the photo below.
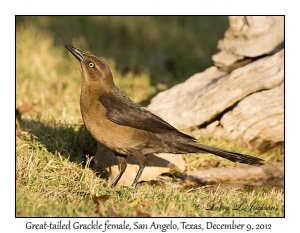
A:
[128,129]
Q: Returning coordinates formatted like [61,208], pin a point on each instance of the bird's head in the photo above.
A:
[94,71]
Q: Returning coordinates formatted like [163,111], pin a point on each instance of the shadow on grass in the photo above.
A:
[76,144]
[68,140]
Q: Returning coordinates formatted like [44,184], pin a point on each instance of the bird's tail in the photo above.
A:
[195,147]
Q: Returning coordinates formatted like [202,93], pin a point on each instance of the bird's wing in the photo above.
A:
[122,111]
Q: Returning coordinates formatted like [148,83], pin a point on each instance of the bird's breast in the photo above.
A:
[121,139]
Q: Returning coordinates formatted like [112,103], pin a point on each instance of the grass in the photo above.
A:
[49,184]
[146,56]
[149,200]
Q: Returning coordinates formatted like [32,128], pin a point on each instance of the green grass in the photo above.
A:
[52,181]
[146,55]
[49,184]
[149,200]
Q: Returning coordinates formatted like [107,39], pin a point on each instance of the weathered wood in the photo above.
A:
[249,36]
[244,173]
[258,120]
[205,96]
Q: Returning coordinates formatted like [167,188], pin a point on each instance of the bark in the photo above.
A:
[244,104]
[249,37]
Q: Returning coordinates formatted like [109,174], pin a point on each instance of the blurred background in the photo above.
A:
[146,54]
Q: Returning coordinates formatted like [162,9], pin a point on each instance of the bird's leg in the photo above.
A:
[122,164]
[141,160]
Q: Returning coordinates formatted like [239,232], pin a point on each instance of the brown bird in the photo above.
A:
[128,129]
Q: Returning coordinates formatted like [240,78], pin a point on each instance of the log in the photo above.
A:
[249,37]
[205,96]
[258,120]
[245,173]
[241,97]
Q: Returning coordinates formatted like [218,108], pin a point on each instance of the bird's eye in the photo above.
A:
[91,64]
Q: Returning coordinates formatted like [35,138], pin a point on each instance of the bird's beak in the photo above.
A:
[76,52]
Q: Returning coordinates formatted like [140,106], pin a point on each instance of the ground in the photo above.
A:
[52,176]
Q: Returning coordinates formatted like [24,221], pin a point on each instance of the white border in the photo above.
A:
[8,11]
